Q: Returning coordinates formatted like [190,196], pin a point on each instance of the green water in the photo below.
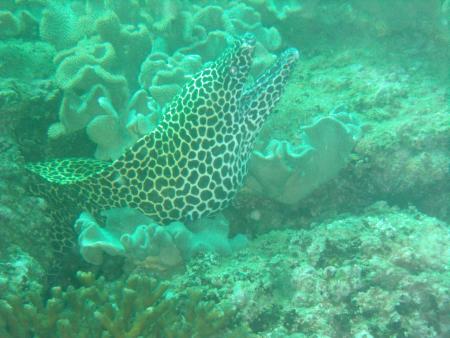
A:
[340,226]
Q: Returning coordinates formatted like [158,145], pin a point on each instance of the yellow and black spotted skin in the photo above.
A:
[192,164]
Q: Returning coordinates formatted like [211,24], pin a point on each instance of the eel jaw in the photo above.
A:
[258,101]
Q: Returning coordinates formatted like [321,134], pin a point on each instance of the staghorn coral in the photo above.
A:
[137,306]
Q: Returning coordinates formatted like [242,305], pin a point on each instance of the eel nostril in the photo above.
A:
[249,39]
[292,54]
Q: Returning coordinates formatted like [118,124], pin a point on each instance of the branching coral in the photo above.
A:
[127,309]
[138,306]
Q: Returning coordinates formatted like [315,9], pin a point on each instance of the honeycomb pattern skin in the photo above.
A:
[192,164]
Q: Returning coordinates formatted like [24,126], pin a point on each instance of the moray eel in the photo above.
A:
[191,165]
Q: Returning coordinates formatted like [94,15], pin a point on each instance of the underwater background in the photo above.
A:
[341,228]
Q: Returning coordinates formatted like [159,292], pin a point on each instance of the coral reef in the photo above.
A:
[402,155]
[163,76]
[62,26]
[138,306]
[96,75]
[353,22]
[17,24]
[287,174]
[23,106]
[113,132]
[19,273]
[26,60]
[99,73]
[83,76]
[130,234]
[132,43]
[383,273]
[97,99]
[102,54]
